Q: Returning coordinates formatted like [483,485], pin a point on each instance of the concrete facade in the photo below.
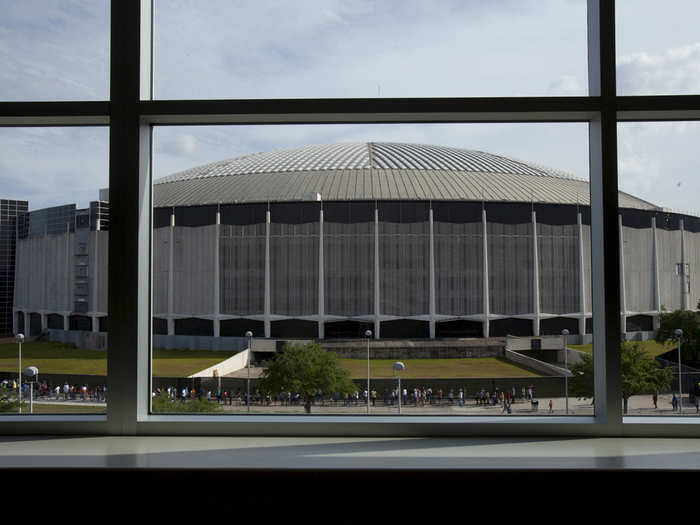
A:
[413,262]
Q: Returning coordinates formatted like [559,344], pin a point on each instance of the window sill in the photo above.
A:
[349,454]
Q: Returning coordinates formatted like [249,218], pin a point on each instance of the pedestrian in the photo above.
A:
[674,402]
[655,399]
[550,406]
[697,404]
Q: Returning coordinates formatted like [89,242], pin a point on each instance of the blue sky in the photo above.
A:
[59,50]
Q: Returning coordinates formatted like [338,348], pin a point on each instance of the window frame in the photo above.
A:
[130,114]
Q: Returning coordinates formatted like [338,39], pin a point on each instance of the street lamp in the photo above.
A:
[249,335]
[679,333]
[32,372]
[368,335]
[565,332]
[398,367]
[20,339]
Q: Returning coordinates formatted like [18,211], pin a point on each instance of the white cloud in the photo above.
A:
[54,50]
[658,162]
[567,85]
[52,166]
[675,71]
[340,48]
[182,145]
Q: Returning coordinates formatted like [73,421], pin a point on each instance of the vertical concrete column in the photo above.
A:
[68,291]
[321,278]
[432,273]
[684,275]
[26,323]
[581,277]
[268,330]
[485,262]
[93,269]
[377,324]
[217,275]
[535,278]
[657,287]
[15,302]
[44,321]
[44,284]
[171,275]
[623,303]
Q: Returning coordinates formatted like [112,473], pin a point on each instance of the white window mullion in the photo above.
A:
[605,241]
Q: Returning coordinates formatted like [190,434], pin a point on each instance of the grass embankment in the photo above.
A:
[478,367]
[60,408]
[650,347]
[183,363]
[57,358]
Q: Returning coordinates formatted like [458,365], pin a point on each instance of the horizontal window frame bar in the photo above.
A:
[368,111]
[54,113]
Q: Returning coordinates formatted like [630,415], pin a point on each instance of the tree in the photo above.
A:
[8,400]
[640,374]
[305,369]
[686,321]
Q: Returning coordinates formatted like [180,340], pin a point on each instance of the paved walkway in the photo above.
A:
[638,406]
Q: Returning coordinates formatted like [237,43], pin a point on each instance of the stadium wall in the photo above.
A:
[403,269]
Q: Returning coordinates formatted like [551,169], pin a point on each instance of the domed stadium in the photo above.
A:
[405,240]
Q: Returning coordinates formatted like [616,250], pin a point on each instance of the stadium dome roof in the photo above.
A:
[374,171]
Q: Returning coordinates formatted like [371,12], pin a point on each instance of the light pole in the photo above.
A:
[368,335]
[32,372]
[679,333]
[565,332]
[399,367]
[249,335]
[20,339]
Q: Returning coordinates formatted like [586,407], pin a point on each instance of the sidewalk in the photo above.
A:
[638,406]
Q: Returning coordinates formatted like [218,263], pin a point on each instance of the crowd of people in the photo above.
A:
[64,392]
[417,397]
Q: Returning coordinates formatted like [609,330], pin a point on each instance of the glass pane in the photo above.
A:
[54,50]
[466,266]
[658,50]
[54,242]
[361,49]
[661,260]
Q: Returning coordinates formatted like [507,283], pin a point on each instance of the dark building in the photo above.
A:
[56,248]
[10,212]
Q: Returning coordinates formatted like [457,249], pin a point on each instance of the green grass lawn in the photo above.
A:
[57,358]
[62,409]
[651,347]
[438,368]
[182,363]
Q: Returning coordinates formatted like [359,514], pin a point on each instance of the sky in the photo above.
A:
[59,50]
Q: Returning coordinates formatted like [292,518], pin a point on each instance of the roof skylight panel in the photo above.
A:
[420,156]
[380,159]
